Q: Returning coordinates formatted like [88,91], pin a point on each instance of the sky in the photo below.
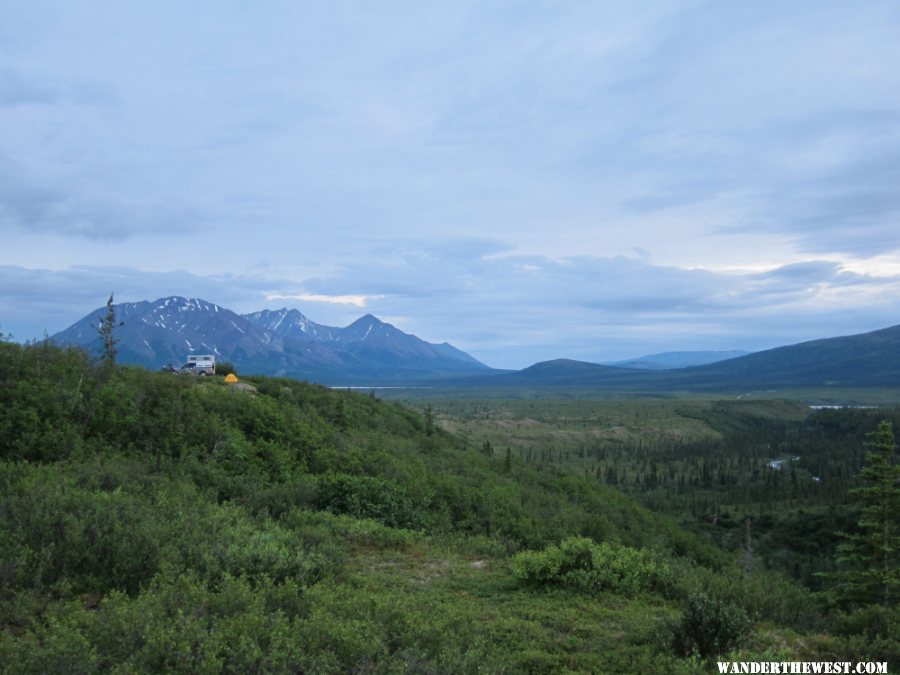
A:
[524,180]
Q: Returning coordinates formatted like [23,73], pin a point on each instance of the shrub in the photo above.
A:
[709,627]
[365,497]
[282,498]
[764,595]
[55,534]
[332,528]
[224,368]
[538,568]
[582,564]
[872,633]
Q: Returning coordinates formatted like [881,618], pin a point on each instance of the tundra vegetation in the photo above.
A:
[151,522]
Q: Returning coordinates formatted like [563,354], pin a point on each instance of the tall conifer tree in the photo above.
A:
[871,554]
[106,330]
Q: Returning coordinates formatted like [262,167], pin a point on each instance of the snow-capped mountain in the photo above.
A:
[367,339]
[280,342]
[292,324]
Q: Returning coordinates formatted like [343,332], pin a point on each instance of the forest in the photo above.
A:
[779,474]
[152,522]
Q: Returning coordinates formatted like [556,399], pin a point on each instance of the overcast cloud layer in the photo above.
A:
[524,180]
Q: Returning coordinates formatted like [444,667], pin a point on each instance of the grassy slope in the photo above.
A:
[151,522]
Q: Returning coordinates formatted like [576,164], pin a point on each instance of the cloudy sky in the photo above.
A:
[526,180]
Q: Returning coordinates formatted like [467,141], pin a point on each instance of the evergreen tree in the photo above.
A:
[429,420]
[106,331]
[341,420]
[871,554]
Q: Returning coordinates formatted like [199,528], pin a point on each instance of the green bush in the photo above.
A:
[178,625]
[764,595]
[330,527]
[53,533]
[366,497]
[870,633]
[89,534]
[709,627]
[224,368]
[42,391]
[282,498]
[581,564]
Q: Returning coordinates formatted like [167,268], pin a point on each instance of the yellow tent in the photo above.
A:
[231,378]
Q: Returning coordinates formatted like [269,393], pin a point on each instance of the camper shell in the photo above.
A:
[200,364]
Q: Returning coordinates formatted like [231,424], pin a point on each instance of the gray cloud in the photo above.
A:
[38,207]
[481,168]
[806,274]
[22,88]
[597,308]
[17,89]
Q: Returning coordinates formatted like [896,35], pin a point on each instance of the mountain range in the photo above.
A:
[861,361]
[281,342]
[370,352]
[669,360]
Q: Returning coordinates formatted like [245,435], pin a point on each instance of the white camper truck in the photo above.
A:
[200,364]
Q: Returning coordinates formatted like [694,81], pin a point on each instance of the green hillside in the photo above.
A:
[157,523]
[870,360]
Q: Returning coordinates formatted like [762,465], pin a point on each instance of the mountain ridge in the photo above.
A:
[681,359]
[869,359]
[270,342]
[370,352]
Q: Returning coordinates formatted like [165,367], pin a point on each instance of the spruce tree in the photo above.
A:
[871,554]
[429,420]
[106,331]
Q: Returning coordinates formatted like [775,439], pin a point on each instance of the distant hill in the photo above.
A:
[280,342]
[866,360]
[670,360]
